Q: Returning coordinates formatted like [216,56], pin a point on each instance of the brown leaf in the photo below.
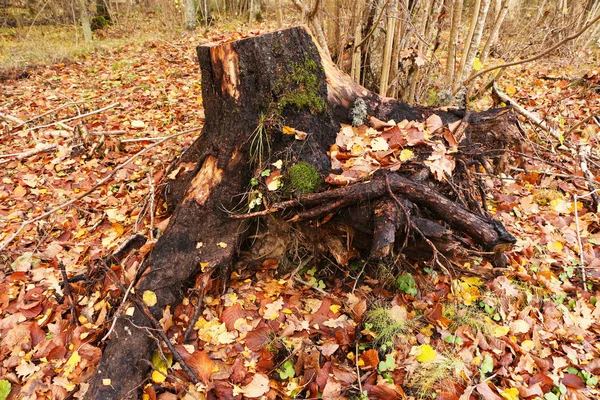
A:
[433,123]
[573,381]
[230,315]
[370,359]
[484,390]
[257,339]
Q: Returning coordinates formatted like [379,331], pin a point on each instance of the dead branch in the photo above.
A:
[536,57]
[63,121]
[24,224]
[530,116]
[11,118]
[28,153]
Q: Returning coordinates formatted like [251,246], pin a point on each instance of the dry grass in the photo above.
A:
[45,44]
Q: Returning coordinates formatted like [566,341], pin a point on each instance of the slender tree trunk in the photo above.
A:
[251,11]
[189,13]
[387,50]
[356,52]
[457,6]
[279,13]
[495,31]
[314,23]
[478,32]
[85,21]
[467,43]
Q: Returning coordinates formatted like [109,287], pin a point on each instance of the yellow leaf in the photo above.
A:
[477,65]
[555,247]
[222,245]
[160,367]
[428,354]
[510,394]
[510,90]
[471,281]
[499,331]
[72,362]
[149,298]
[288,130]
[406,155]
[106,382]
[335,308]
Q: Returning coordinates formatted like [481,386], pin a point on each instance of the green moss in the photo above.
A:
[301,88]
[304,177]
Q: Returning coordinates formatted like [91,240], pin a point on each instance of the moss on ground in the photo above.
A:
[304,177]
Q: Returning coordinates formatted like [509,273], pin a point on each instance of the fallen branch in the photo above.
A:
[146,139]
[158,328]
[11,118]
[530,116]
[536,57]
[72,103]
[25,154]
[61,122]
[584,153]
[581,258]
[24,224]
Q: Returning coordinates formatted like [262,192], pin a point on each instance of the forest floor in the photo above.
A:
[94,130]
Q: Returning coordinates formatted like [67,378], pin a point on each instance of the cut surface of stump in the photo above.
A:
[271,103]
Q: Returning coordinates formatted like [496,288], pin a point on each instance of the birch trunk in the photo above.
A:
[467,43]
[457,6]
[495,31]
[189,14]
[85,21]
[478,32]
[387,50]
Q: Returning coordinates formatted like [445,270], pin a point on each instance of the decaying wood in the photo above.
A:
[245,87]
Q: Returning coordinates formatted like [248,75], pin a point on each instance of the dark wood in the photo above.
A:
[242,82]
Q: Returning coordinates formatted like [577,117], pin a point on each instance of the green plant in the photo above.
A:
[260,143]
[387,323]
[427,375]
[471,316]
[406,283]
[304,177]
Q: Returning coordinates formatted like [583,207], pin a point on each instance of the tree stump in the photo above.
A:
[253,89]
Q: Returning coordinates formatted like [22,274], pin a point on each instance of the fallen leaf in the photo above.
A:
[426,353]
[149,298]
[257,387]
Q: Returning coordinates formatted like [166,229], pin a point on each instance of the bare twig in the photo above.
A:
[61,122]
[68,294]
[581,258]
[536,57]
[71,103]
[25,154]
[200,290]
[11,119]
[579,124]
[24,224]
[152,194]
[375,26]
[584,153]
[158,328]
[146,139]
[521,110]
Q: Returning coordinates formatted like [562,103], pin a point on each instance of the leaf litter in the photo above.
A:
[530,333]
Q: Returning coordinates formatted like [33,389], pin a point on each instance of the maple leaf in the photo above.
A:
[272,309]
[26,369]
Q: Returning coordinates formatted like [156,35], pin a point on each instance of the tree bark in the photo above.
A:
[251,87]
[189,15]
